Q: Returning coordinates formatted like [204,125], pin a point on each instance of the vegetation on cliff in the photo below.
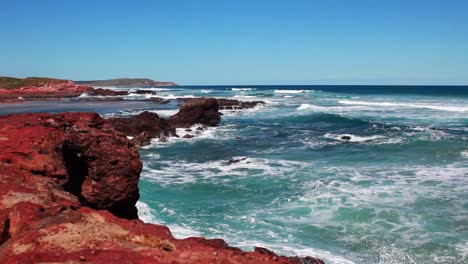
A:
[15,83]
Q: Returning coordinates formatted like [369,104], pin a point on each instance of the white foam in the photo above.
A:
[206,91]
[330,109]
[313,107]
[243,89]
[244,96]
[354,138]
[464,154]
[172,96]
[185,172]
[166,112]
[407,105]
[291,91]
[145,213]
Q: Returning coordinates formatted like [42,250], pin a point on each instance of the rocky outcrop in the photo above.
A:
[126,82]
[68,188]
[145,126]
[35,89]
[229,104]
[203,111]
[64,89]
[80,153]
[106,92]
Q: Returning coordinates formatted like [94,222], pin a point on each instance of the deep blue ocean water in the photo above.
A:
[396,192]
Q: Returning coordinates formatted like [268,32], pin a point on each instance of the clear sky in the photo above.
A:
[238,41]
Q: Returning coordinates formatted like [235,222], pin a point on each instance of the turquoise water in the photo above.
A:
[397,192]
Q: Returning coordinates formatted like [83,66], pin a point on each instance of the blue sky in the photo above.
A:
[238,42]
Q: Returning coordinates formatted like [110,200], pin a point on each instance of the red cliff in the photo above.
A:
[46,89]
[68,188]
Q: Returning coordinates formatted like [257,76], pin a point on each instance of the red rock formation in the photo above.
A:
[143,127]
[54,89]
[57,170]
[203,111]
[43,90]
[78,152]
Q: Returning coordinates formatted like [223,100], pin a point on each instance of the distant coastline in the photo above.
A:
[126,82]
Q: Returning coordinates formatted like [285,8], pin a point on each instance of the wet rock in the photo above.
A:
[107,98]
[197,111]
[231,104]
[143,127]
[158,100]
[144,92]
[236,160]
[187,136]
[106,92]
[345,138]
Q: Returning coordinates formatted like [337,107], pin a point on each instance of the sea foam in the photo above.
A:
[407,105]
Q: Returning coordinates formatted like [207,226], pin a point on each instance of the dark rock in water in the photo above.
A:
[143,139]
[345,138]
[163,139]
[158,100]
[200,129]
[147,125]
[197,111]
[187,136]
[107,92]
[143,127]
[230,104]
[144,92]
[232,161]
[111,98]
[188,130]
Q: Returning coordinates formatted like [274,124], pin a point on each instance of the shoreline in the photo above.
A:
[67,147]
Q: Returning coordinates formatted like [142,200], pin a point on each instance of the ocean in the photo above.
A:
[349,174]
